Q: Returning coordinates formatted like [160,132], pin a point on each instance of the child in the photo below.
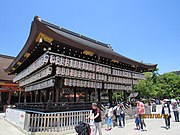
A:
[109,116]
[137,121]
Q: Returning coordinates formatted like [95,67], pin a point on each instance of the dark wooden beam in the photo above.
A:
[110,96]
[99,95]
[75,94]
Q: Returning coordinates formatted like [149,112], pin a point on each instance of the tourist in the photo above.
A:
[117,112]
[175,110]
[96,116]
[122,113]
[167,113]
[109,116]
[153,106]
[137,121]
[141,111]
[115,123]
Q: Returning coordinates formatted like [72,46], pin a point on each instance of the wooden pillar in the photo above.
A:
[125,95]
[74,94]
[45,93]
[61,82]
[57,95]
[0,98]
[31,98]
[25,94]
[99,95]
[52,97]
[86,92]
[41,94]
[36,93]
[19,100]
[9,98]
[89,95]
[58,87]
[50,94]
[110,96]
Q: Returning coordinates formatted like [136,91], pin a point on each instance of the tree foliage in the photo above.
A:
[159,86]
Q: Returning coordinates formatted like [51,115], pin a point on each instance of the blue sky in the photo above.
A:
[144,30]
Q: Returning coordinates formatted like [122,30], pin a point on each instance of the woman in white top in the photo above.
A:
[120,114]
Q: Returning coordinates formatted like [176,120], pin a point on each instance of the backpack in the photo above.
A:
[83,128]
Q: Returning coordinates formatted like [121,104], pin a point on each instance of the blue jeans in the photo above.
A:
[176,116]
[109,121]
[121,117]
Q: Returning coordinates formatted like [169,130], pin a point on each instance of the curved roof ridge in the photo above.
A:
[75,34]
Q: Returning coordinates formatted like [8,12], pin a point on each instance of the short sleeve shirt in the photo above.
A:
[95,112]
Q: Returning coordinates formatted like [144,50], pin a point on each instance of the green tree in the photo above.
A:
[146,88]
[159,86]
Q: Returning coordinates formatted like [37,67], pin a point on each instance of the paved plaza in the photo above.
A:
[155,127]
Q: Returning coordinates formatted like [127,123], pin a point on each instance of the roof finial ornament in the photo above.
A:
[37,17]
[110,46]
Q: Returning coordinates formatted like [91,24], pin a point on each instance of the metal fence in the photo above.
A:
[55,122]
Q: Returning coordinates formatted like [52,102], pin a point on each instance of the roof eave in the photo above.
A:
[32,36]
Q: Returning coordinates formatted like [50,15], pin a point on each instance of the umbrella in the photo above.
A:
[153,99]
[166,100]
[173,100]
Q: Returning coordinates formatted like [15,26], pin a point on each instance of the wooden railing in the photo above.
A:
[55,122]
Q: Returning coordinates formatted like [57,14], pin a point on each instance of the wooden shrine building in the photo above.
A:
[62,70]
[9,91]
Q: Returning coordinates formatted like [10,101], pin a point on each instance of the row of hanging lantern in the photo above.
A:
[138,76]
[40,62]
[117,86]
[79,64]
[82,83]
[40,85]
[36,76]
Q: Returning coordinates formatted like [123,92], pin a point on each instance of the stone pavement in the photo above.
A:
[154,128]
[8,129]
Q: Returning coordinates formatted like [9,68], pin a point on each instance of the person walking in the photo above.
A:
[175,110]
[153,106]
[141,112]
[167,113]
[137,121]
[96,116]
[109,116]
[122,114]
[117,111]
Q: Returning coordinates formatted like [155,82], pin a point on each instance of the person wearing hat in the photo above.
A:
[120,113]
[166,112]
[109,116]
[96,116]
[175,110]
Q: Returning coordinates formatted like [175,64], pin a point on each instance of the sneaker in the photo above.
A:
[167,127]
